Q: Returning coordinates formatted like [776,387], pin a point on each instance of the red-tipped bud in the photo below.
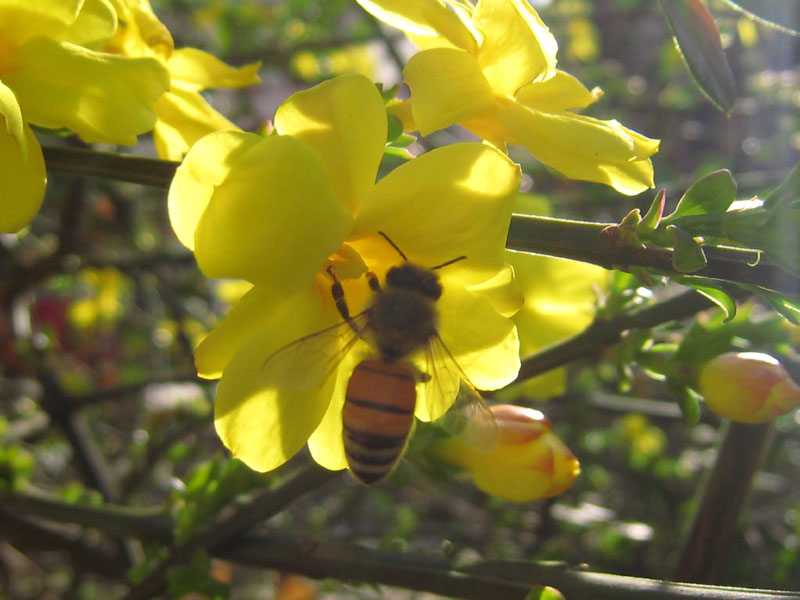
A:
[748,387]
[528,463]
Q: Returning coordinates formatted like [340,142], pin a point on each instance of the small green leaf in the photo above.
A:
[688,255]
[779,14]
[652,218]
[388,93]
[699,42]
[688,402]
[395,129]
[712,193]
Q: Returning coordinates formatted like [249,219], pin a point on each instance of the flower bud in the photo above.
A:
[748,387]
[528,463]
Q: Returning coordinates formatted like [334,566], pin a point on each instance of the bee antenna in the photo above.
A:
[388,239]
[449,262]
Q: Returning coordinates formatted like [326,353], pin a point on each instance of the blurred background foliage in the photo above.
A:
[99,399]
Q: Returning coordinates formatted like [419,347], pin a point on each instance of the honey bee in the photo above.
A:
[381,394]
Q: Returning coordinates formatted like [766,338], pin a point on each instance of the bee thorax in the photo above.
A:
[402,321]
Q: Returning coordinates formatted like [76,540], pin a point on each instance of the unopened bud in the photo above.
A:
[748,387]
[529,462]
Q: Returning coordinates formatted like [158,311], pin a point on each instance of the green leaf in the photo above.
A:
[779,14]
[688,255]
[712,193]
[788,308]
[787,191]
[699,42]
[716,294]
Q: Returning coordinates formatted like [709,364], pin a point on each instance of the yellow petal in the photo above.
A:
[430,22]
[484,343]
[343,120]
[206,165]
[560,301]
[102,98]
[21,20]
[402,112]
[140,32]
[22,168]
[517,48]
[488,127]
[183,118]
[274,218]
[580,147]
[263,426]
[94,26]
[452,201]
[216,349]
[501,291]
[560,92]
[326,443]
[447,86]
[203,70]
[480,344]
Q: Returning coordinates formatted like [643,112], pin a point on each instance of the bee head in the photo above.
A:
[413,277]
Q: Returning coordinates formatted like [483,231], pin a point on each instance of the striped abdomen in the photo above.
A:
[377,417]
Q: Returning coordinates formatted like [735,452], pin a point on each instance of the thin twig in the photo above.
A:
[603,333]
[722,499]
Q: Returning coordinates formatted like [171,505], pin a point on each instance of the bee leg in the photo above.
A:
[374,284]
[337,291]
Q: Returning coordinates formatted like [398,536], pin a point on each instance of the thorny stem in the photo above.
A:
[576,240]
[585,242]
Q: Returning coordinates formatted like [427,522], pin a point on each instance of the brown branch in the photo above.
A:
[723,497]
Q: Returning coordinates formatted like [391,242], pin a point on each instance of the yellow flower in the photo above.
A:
[560,301]
[183,114]
[52,76]
[748,387]
[278,211]
[492,68]
[529,462]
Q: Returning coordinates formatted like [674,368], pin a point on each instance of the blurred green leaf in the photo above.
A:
[787,191]
[787,307]
[194,580]
[544,593]
[699,42]
[16,467]
[689,403]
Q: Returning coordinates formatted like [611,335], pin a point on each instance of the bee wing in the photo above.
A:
[469,416]
[307,362]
